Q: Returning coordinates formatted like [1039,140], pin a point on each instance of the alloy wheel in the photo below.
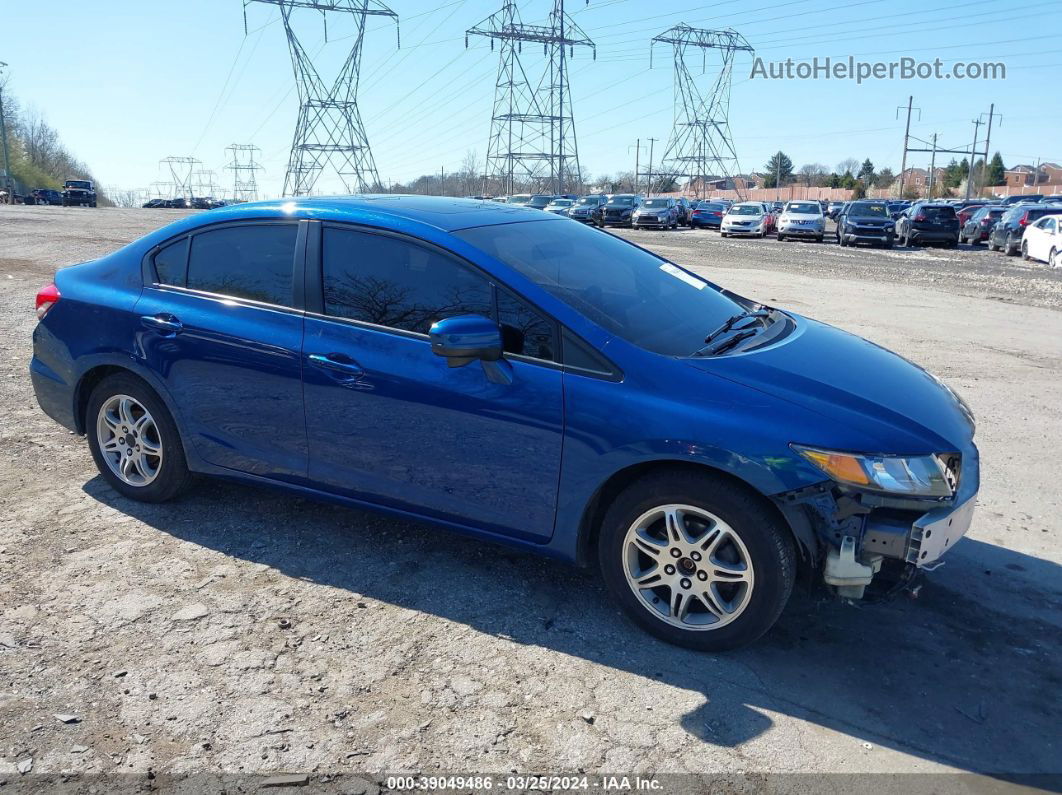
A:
[688,567]
[129,440]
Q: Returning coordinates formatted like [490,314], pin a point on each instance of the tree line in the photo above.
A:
[39,159]
[858,177]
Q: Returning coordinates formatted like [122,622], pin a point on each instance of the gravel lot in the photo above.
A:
[242,631]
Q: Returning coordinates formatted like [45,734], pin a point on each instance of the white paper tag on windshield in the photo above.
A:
[680,274]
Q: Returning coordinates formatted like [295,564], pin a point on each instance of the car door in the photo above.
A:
[221,331]
[389,422]
[1044,235]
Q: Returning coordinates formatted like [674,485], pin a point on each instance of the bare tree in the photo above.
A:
[469,172]
[848,166]
[811,174]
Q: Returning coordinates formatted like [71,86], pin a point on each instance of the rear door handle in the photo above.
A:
[166,324]
[339,362]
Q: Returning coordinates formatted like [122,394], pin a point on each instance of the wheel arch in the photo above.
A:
[101,369]
[594,512]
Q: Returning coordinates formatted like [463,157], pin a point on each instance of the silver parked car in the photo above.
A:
[747,218]
[802,219]
[559,206]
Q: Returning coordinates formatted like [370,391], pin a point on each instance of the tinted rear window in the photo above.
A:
[938,213]
[253,261]
[171,262]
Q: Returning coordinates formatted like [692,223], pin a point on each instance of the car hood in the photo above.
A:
[890,404]
[801,217]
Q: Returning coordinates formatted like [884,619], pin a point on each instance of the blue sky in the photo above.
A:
[180,78]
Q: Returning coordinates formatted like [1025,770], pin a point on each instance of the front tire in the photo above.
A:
[1054,259]
[696,560]
[1025,250]
[134,440]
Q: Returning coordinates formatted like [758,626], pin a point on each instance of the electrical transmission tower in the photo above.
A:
[244,172]
[206,183]
[329,129]
[181,174]
[532,130]
[700,144]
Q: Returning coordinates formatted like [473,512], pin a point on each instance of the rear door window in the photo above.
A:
[253,261]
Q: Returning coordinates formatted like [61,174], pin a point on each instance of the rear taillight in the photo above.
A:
[47,297]
[1024,220]
[920,217]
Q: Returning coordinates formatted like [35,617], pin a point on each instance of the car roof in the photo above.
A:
[442,212]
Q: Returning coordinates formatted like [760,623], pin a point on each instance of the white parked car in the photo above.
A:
[1043,241]
[802,219]
[747,218]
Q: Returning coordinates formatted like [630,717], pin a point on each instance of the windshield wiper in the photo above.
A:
[730,342]
[729,324]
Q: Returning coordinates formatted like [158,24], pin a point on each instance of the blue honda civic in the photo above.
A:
[519,378]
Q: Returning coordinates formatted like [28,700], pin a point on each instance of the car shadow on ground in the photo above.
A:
[972,682]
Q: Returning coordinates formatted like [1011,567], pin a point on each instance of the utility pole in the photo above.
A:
[906,139]
[637,153]
[649,181]
[973,152]
[3,130]
[988,139]
[932,169]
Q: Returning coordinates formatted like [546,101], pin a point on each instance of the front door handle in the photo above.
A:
[164,323]
[338,362]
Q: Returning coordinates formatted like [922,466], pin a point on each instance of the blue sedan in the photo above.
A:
[510,375]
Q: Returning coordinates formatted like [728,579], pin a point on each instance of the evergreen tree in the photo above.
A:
[996,169]
[779,168]
[866,172]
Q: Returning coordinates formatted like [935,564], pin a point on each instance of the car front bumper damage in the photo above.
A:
[854,537]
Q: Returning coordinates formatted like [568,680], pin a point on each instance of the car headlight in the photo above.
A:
[913,476]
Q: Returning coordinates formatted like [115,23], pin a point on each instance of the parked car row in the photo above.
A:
[195,203]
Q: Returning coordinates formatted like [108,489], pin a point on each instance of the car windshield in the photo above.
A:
[869,210]
[802,208]
[708,206]
[588,200]
[621,201]
[75,183]
[561,203]
[540,201]
[628,291]
[522,198]
[746,209]
[655,203]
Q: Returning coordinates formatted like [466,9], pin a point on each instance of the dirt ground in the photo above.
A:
[244,631]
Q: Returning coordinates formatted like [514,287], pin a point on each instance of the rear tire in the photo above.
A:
[740,559]
[1054,259]
[1025,250]
[780,237]
[126,423]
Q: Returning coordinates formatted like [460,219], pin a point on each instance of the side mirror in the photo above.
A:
[465,338]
